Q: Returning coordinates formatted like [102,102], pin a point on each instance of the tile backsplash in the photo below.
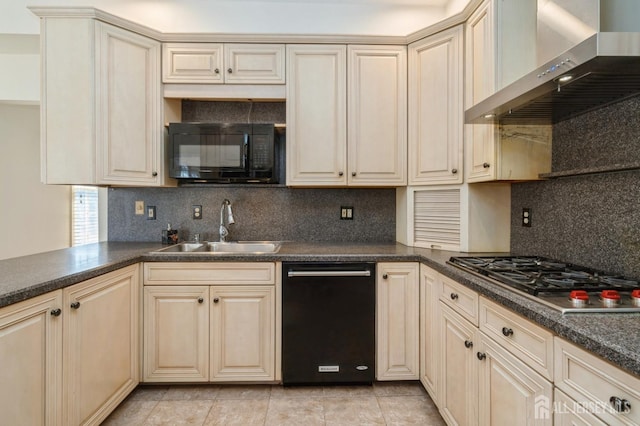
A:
[588,219]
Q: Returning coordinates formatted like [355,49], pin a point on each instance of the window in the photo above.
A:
[84,209]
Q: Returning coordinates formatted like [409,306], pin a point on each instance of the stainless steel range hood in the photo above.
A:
[602,69]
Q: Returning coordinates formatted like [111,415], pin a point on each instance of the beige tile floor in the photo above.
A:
[384,403]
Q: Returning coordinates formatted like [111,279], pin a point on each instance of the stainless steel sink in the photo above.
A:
[239,247]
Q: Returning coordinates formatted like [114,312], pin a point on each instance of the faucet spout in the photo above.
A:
[225,209]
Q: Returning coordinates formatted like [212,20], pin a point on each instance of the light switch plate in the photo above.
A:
[151,212]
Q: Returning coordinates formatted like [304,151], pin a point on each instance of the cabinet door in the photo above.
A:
[192,63]
[429,331]
[377,115]
[510,393]
[176,333]
[316,115]
[31,360]
[100,349]
[242,333]
[458,388]
[128,110]
[436,108]
[254,63]
[397,331]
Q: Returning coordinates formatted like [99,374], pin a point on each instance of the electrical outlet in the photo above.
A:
[196,212]
[139,208]
[346,213]
[151,212]
[526,217]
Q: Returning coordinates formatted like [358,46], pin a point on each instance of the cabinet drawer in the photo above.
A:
[223,273]
[529,342]
[594,383]
[461,299]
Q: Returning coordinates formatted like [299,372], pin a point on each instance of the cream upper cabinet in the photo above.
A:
[211,322]
[429,330]
[100,345]
[216,63]
[316,115]
[31,360]
[500,152]
[435,120]
[101,112]
[397,313]
[376,116]
[320,150]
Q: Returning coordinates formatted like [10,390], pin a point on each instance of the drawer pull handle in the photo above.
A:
[486,165]
[620,405]
[468,344]
[481,356]
[507,331]
[56,312]
[454,296]
[75,305]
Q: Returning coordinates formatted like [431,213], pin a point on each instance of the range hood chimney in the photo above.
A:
[601,70]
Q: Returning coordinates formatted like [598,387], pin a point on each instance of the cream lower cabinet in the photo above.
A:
[31,361]
[429,331]
[210,333]
[100,345]
[397,331]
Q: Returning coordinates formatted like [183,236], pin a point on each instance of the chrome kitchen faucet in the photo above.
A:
[225,208]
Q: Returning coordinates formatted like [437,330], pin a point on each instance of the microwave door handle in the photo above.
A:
[245,154]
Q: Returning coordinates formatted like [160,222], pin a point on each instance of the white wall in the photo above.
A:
[34,217]
[20,68]
[352,17]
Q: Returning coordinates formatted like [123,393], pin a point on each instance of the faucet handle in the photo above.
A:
[196,238]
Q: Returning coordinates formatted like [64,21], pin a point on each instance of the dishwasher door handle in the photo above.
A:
[364,273]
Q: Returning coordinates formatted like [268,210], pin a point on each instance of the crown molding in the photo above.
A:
[93,13]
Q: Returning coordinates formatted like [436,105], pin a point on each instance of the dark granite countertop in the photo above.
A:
[614,337]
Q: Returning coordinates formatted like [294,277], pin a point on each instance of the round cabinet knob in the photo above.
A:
[481,356]
[56,312]
[200,300]
[229,70]
[454,171]
[486,165]
[217,70]
[507,331]
[385,276]
[75,305]
[468,344]
[154,174]
[340,173]
[216,299]
[353,173]
[453,296]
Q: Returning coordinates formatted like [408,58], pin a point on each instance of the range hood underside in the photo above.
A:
[600,78]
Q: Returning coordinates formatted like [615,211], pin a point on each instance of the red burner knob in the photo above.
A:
[579,295]
[610,294]
[635,297]
[610,298]
[579,298]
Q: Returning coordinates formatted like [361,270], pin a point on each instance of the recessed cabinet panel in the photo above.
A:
[436,108]
[192,63]
[429,331]
[254,63]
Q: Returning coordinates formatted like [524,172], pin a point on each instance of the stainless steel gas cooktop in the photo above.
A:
[563,286]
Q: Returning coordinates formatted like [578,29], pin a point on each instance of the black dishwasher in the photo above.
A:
[328,323]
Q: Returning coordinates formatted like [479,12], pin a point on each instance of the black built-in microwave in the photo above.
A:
[225,152]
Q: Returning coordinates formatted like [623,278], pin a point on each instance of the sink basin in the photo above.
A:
[182,248]
[240,247]
[244,247]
